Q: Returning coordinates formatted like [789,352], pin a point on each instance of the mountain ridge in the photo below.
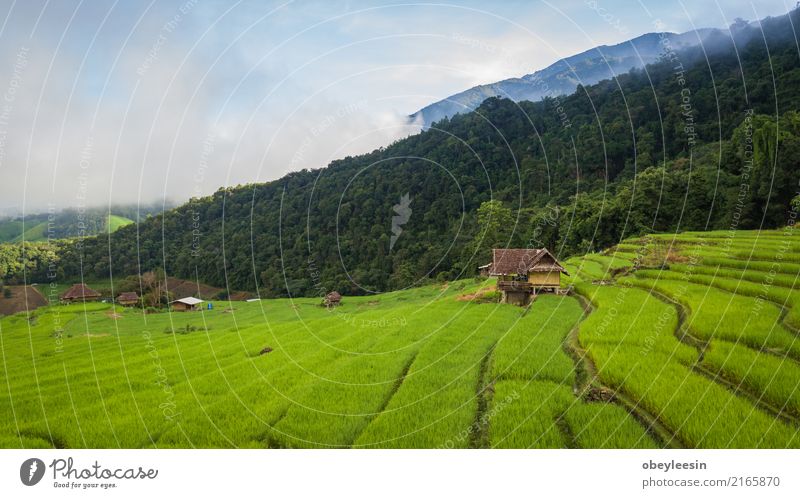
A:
[563,76]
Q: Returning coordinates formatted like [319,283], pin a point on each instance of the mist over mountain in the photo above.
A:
[564,76]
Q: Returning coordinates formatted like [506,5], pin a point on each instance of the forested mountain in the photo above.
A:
[706,138]
[563,76]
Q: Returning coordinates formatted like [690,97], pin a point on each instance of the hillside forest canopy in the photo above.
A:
[707,138]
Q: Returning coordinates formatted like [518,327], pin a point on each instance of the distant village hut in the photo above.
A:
[128,299]
[332,299]
[186,304]
[484,270]
[80,292]
[524,273]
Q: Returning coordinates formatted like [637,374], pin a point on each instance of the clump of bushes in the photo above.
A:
[105,292]
[186,329]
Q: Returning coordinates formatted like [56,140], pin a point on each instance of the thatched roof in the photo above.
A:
[80,291]
[333,297]
[523,261]
[128,296]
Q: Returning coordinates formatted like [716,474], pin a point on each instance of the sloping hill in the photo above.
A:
[116,222]
[630,159]
[726,347]
[62,225]
[10,229]
[667,341]
[35,233]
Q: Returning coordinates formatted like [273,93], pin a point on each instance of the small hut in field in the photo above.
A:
[80,292]
[186,304]
[128,299]
[524,273]
[484,270]
[332,299]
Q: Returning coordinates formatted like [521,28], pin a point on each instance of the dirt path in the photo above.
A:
[479,438]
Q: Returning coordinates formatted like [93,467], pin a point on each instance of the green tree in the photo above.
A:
[495,223]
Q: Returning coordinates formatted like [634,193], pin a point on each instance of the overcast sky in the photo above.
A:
[104,101]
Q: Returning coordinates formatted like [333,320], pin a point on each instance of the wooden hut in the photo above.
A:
[332,299]
[128,299]
[523,273]
[484,270]
[186,304]
[80,292]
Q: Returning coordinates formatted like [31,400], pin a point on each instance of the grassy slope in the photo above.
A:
[35,233]
[11,231]
[399,370]
[115,222]
[420,368]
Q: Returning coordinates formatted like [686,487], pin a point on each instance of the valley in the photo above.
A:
[687,340]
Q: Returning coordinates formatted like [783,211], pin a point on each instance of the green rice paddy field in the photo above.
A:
[686,340]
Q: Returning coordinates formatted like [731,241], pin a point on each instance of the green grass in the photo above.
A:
[532,348]
[613,262]
[780,288]
[630,338]
[437,399]
[554,419]
[32,233]
[605,425]
[9,230]
[775,380]
[422,369]
[772,276]
[761,253]
[584,269]
[116,222]
[402,369]
[535,369]
[717,314]
[526,415]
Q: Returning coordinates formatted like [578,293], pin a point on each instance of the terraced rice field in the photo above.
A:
[686,340]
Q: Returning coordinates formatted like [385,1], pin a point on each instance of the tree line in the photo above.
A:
[707,138]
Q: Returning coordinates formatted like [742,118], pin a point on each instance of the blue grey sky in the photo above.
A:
[135,101]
